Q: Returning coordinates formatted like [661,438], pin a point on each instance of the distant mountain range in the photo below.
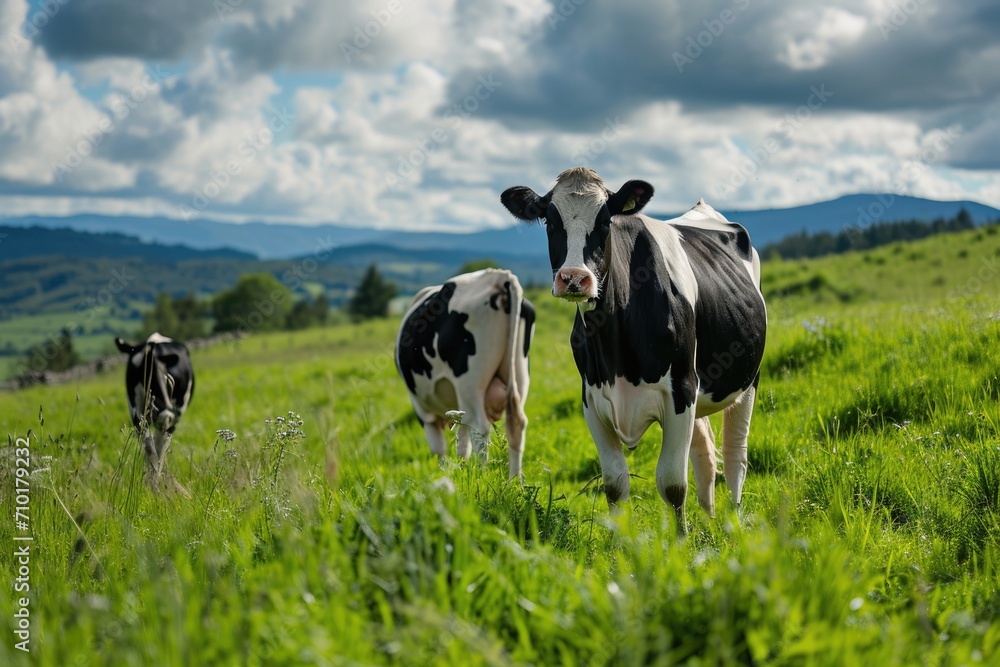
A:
[283,241]
[63,264]
[21,242]
[65,270]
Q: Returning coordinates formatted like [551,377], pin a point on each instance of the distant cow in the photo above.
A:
[670,327]
[159,382]
[464,346]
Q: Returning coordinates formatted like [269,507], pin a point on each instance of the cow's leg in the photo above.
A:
[434,430]
[672,466]
[614,469]
[464,444]
[704,461]
[517,420]
[735,429]
[474,433]
[162,447]
[151,452]
[162,475]
[480,428]
[516,426]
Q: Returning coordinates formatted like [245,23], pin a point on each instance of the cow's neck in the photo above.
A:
[629,330]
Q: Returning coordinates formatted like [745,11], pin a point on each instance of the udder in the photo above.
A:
[496,399]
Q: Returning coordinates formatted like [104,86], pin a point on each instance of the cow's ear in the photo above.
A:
[630,198]
[524,204]
[123,346]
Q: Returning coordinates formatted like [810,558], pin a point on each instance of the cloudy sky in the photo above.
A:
[399,113]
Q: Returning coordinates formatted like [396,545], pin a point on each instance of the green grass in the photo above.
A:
[869,536]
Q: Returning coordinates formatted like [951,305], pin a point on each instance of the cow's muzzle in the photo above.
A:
[576,284]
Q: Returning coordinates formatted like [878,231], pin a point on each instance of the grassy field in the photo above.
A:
[870,532]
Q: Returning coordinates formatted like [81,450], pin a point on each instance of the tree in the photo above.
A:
[478,265]
[191,315]
[182,318]
[162,318]
[372,296]
[307,314]
[53,355]
[963,220]
[258,303]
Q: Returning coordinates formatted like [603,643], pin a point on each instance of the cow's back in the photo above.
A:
[160,368]
[729,309]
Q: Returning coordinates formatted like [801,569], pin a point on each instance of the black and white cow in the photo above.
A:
[670,327]
[159,382]
[464,346]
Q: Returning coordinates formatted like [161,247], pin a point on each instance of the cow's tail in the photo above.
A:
[514,297]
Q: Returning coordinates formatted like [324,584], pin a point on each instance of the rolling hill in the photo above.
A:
[281,241]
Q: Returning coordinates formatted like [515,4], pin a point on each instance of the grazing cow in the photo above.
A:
[464,346]
[159,381]
[670,327]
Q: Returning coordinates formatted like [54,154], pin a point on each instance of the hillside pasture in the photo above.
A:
[869,532]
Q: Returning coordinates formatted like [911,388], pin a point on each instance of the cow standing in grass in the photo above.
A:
[670,327]
[159,382]
[464,346]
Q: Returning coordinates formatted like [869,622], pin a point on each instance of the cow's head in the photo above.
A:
[578,214]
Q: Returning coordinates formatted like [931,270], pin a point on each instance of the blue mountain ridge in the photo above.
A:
[282,240]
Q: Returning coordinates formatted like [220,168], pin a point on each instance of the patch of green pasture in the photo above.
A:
[868,533]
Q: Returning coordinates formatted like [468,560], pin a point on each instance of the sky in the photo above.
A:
[416,115]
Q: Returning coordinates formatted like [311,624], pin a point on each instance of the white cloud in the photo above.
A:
[819,35]
[225,134]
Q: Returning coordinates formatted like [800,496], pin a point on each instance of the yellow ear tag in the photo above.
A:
[629,205]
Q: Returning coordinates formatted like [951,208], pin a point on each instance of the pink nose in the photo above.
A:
[574,283]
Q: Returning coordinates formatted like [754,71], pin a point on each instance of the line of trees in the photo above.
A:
[850,238]
[258,302]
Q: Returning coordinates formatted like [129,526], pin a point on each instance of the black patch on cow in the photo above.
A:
[495,302]
[676,494]
[528,316]
[742,241]
[416,339]
[595,243]
[614,492]
[730,311]
[159,360]
[641,327]
[558,242]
